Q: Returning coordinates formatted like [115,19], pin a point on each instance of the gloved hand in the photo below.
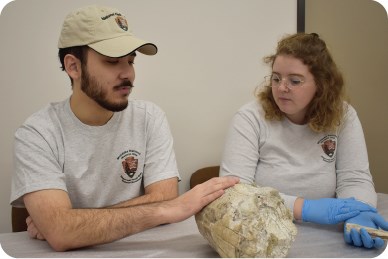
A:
[362,238]
[332,210]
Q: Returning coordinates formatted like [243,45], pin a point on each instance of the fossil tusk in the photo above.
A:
[372,231]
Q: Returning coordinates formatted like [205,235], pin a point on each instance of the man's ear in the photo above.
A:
[72,66]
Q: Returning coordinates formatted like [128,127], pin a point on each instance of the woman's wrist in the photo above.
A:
[298,205]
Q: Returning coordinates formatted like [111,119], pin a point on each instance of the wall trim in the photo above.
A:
[300,16]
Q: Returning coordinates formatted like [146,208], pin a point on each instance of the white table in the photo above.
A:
[183,240]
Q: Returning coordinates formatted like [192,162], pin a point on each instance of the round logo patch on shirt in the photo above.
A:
[329,147]
[129,162]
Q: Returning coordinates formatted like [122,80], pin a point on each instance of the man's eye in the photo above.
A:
[112,61]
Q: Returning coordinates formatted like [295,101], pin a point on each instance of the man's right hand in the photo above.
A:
[195,199]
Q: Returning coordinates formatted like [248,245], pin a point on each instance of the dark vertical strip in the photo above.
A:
[300,16]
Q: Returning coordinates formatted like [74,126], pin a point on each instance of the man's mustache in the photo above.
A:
[125,84]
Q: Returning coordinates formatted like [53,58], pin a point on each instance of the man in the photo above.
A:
[97,167]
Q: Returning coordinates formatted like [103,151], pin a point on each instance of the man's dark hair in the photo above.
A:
[78,51]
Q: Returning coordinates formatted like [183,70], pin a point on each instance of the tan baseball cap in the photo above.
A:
[103,29]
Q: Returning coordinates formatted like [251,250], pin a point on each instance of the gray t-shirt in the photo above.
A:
[297,161]
[97,166]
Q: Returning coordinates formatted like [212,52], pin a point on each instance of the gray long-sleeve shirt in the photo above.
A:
[297,161]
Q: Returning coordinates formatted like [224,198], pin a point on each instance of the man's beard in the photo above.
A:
[93,89]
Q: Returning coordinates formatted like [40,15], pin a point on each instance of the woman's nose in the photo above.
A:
[283,85]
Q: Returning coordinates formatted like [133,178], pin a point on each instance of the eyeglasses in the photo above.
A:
[291,82]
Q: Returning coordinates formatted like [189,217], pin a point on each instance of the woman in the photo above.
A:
[302,138]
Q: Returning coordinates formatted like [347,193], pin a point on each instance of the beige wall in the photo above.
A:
[357,34]
[209,62]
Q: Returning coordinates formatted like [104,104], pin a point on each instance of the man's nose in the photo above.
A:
[127,71]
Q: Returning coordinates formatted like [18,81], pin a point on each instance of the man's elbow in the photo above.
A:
[59,242]
[58,246]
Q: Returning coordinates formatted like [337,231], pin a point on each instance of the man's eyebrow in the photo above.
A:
[133,54]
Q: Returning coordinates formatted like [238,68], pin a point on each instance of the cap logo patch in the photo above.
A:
[110,15]
[122,22]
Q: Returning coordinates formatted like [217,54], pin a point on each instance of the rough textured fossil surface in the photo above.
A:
[248,221]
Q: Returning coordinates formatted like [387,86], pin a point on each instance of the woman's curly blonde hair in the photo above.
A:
[326,109]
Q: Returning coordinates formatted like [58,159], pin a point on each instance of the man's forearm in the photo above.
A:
[144,199]
[76,228]
[160,191]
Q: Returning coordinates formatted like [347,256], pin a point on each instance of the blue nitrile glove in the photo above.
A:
[362,238]
[332,210]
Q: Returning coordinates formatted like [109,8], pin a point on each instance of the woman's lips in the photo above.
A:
[284,99]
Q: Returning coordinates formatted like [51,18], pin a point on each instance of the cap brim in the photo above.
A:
[122,46]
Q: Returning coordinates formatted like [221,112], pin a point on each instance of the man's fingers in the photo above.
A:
[211,197]
[28,220]
[219,183]
[32,232]
[214,188]
[39,236]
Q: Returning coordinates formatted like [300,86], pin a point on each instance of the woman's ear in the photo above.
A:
[72,66]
